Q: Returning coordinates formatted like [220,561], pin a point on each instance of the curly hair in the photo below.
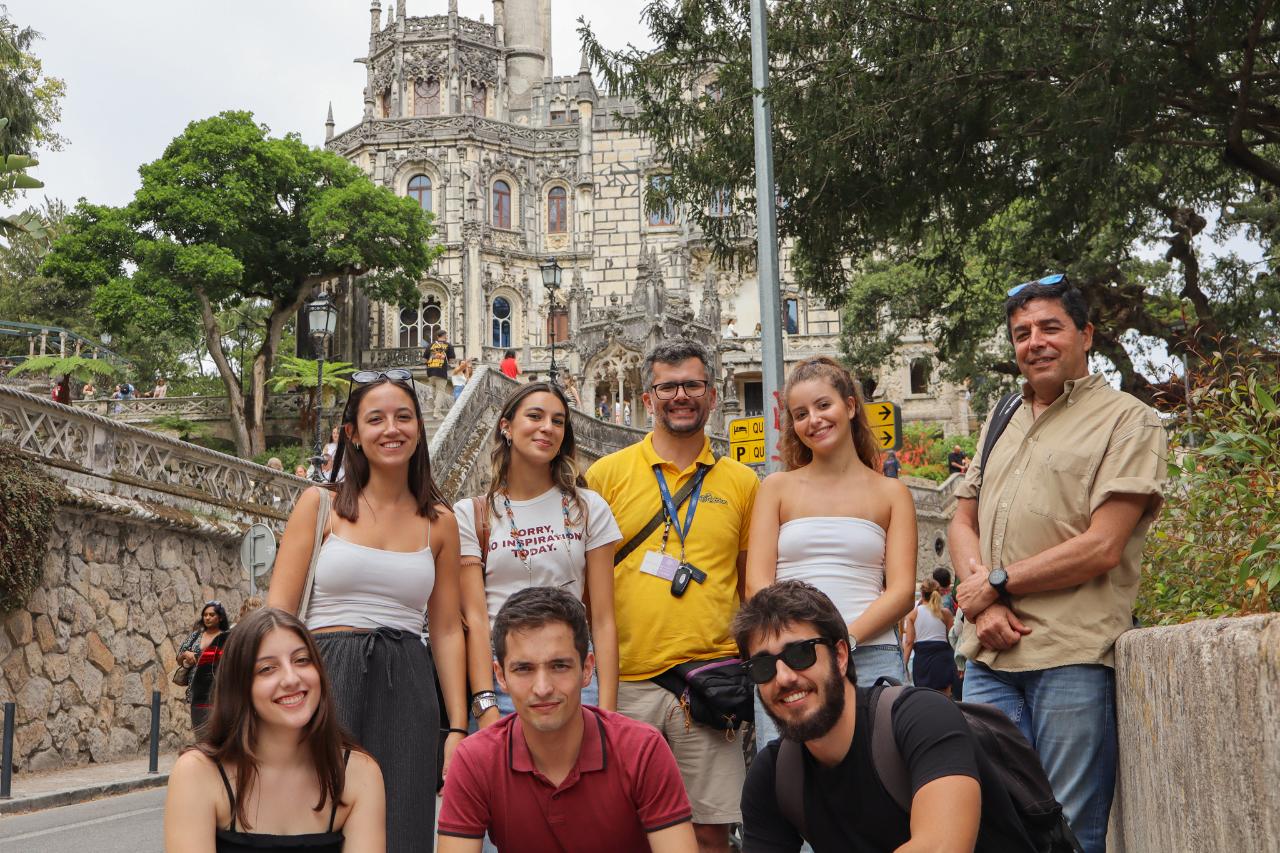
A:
[794,452]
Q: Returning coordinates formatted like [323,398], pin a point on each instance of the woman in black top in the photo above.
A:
[200,654]
[273,770]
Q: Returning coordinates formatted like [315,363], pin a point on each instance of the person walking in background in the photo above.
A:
[613,782]
[362,578]
[679,575]
[201,654]
[161,389]
[273,769]
[891,465]
[538,525]
[460,376]
[508,364]
[437,357]
[925,633]
[1047,542]
[942,575]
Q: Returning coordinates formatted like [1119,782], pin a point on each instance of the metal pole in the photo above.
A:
[318,460]
[6,764]
[154,766]
[766,235]
[552,372]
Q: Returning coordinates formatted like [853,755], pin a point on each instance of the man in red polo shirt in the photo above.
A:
[557,775]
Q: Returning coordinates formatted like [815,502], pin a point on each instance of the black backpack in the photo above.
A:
[1016,764]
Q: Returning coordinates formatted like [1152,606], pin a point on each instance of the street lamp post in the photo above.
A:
[322,319]
[551,281]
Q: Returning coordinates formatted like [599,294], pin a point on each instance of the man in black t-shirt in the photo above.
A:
[797,649]
[955,461]
[438,357]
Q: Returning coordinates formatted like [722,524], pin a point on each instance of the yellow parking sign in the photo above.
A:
[746,440]
[885,420]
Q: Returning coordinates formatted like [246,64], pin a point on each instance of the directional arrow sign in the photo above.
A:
[880,414]
[885,420]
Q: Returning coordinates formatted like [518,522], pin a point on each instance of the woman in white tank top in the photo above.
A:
[834,520]
[925,631]
[388,558]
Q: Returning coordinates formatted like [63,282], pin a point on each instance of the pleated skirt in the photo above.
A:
[384,686]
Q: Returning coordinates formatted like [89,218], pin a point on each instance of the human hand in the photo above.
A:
[188,659]
[450,744]
[998,628]
[975,594]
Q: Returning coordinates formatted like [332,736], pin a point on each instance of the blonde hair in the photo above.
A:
[794,452]
[931,597]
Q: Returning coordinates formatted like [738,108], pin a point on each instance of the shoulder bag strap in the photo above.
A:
[886,758]
[322,519]
[788,784]
[480,511]
[635,541]
[999,421]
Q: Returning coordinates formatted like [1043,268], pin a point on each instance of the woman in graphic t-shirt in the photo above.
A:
[544,528]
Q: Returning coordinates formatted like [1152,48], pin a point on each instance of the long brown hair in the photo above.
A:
[794,452]
[421,484]
[231,733]
[564,467]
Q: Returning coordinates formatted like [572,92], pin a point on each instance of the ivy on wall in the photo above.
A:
[28,499]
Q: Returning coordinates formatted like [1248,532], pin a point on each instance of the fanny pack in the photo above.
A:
[717,693]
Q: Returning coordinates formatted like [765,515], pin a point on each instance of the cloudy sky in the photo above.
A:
[137,71]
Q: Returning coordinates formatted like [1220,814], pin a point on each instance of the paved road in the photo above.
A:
[131,823]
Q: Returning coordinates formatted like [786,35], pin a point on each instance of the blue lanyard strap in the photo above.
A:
[671,511]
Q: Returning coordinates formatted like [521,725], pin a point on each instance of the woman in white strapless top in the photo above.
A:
[834,520]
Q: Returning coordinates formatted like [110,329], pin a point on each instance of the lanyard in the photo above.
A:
[522,550]
[671,512]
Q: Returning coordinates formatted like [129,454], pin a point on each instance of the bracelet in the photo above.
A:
[484,694]
[451,730]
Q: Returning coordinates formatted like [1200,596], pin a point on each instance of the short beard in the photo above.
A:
[820,721]
[692,429]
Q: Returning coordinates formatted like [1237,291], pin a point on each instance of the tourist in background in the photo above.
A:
[161,389]
[275,463]
[925,632]
[200,654]
[538,525]
[362,578]
[273,769]
[437,357]
[461,375]
[891,465]
[943,576]
[508,364]
[300,471]
[571,391]
[956,460]
[88,392]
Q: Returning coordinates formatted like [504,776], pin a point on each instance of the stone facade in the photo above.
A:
[517,165]
[102,631]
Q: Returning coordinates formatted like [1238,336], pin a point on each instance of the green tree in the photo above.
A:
[30,98]
[928,156]
[231,217]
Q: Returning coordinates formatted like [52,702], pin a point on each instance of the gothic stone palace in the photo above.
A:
[518,165]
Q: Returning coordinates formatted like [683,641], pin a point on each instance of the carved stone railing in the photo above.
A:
[391,357]
[106,456]
[287,407]
[935,499]
[792,345]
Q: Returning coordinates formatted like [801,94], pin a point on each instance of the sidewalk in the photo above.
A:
[35,791]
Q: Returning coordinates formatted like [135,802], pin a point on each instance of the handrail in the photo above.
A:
[36,330]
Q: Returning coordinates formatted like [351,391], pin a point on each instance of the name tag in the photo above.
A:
[659,565]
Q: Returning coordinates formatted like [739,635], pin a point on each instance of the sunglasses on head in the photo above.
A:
[798,656]
[1055,280]
[396,374]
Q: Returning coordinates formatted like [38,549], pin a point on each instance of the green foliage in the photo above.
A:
[79,368]
[184,429]
[930,471]
[28,499]
[31,100]
[230,221]
[290,455]
[1215,550]
[301,373]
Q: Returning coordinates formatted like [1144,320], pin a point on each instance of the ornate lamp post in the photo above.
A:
[322,319]
[551,281]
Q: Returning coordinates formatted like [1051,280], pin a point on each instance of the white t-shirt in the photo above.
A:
[553,560]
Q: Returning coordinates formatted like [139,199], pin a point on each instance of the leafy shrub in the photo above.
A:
[1215,550]
[28,498]
[291,455]
[937,473]
[185,429]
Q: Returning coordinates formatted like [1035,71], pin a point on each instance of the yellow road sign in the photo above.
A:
[746,440]
[885,420]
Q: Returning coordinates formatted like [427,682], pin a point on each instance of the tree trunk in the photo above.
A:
[235,397]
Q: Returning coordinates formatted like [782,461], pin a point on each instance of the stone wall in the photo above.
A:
[1199,713]
[101,632]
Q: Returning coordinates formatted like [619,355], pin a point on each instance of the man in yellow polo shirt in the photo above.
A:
[677,588]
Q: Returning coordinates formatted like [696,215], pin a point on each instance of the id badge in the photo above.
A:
[659,565]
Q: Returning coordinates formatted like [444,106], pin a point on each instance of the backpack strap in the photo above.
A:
[999,421]
[480,510]
[636,541]
[788,783]
[886,758]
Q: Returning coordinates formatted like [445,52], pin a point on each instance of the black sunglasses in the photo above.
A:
[1055,280]
[798,656]
[397,374]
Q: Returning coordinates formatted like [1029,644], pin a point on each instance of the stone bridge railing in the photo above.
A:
[145,409]
[136,466]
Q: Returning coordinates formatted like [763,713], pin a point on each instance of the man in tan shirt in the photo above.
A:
[1047,541]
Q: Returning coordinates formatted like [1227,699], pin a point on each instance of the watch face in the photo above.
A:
[999,577]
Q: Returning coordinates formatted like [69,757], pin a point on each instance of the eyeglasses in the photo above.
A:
[398,374]
[668,390]
[798,656]
[1055,280]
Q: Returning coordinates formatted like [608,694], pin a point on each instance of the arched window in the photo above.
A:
[501,205]
[501,322]
[426,97]
[479,99]
[557,211]
[920,370]
[420,191]
[419,325]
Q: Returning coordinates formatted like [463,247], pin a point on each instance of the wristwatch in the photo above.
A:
[483,701]
[998,579]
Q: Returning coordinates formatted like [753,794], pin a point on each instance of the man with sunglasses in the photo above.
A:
[684,516]
[438,356]
[796,648]
[1047,544]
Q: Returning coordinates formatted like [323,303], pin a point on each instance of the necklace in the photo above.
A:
[522,550]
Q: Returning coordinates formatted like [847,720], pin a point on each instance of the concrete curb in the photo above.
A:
[39,802]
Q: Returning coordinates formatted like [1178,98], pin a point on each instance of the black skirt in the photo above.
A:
[934,665]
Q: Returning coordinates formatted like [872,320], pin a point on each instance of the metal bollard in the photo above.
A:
[154,766]
[6,763]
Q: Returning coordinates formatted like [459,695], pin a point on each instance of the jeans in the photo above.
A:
[1068,714]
